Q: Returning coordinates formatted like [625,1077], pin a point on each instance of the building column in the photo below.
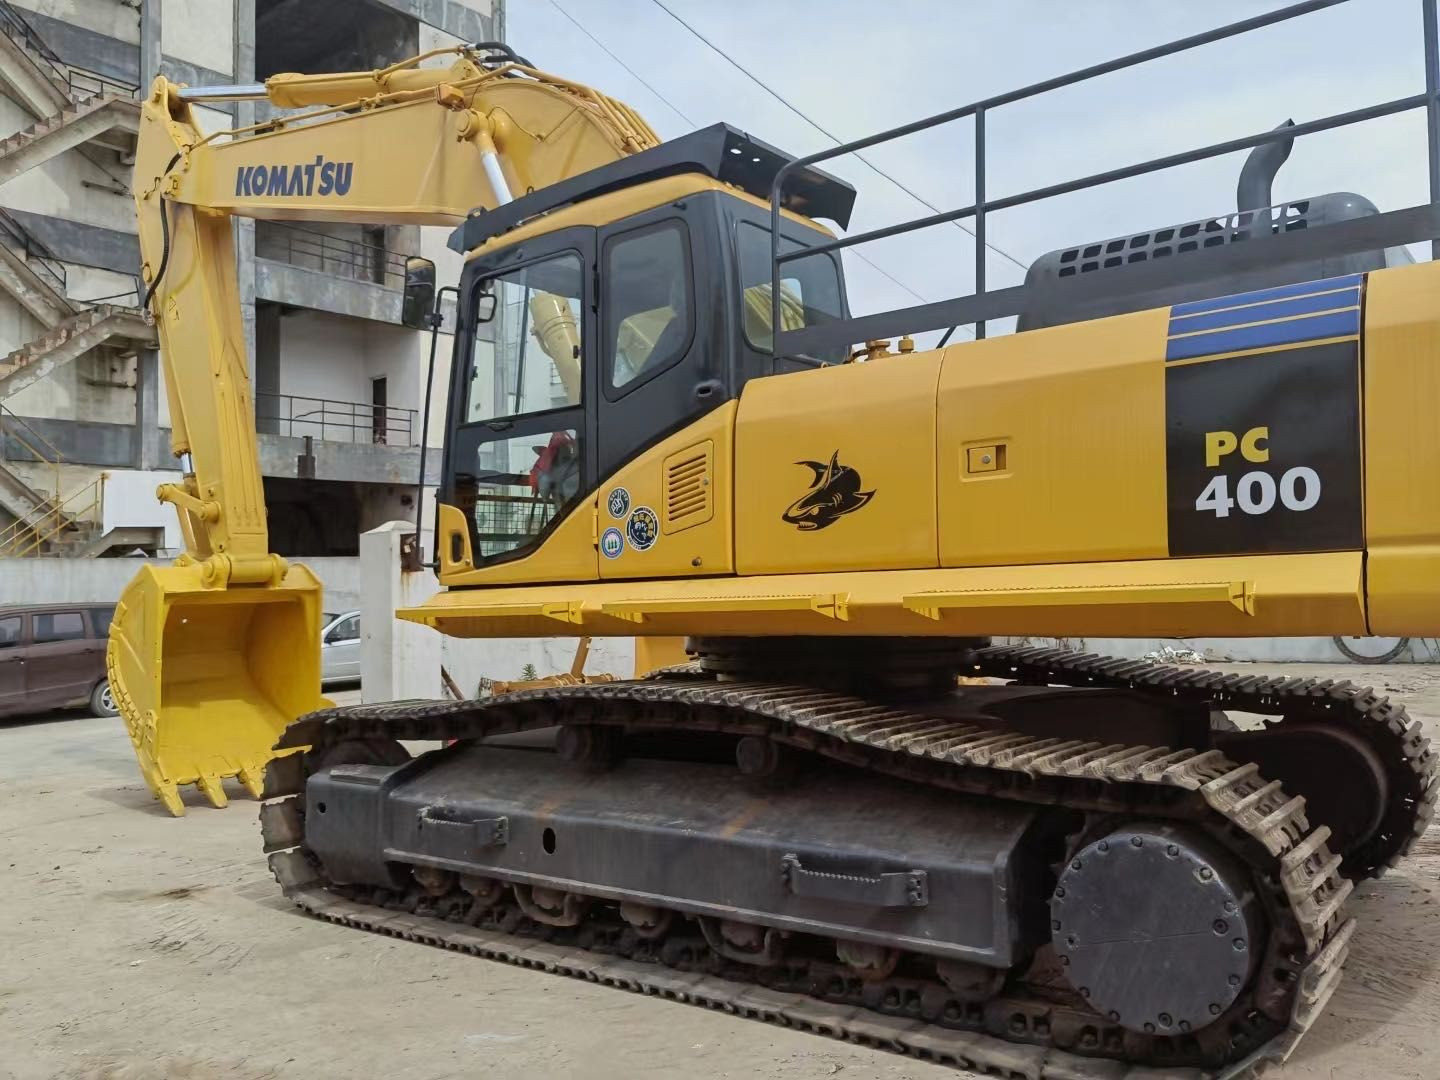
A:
[150,50]
[147,408]
[398,659]
[268,407]
[244,72]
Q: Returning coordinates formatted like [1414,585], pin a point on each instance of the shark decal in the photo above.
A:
[834,492]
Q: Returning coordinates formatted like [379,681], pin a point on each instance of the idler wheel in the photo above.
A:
[1157,927]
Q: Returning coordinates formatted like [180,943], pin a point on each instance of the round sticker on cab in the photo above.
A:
[618,503]
[612,543]
[643,528]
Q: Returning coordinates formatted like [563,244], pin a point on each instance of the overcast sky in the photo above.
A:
[856,68]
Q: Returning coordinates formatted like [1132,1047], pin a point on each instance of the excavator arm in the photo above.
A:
[211,658]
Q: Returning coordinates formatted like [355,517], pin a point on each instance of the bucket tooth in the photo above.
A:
[252,778]
[170,796]
[211,788]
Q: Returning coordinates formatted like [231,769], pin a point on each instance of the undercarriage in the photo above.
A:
[1085,871]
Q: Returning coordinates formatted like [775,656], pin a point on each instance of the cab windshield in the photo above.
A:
[530,361]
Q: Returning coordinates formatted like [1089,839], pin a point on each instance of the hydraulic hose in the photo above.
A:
[164,240]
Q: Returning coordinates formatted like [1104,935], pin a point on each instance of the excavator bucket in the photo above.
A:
[206,678]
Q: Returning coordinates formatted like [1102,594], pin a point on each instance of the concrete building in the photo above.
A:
[83,417]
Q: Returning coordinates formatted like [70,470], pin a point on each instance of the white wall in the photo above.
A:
[395,354]
[107,17]
[90,283]
[200,31]
[55,187]
[17,326]
[322,356]
[102,580]
[335,358]
[130,501]
[97,386]
[211,120]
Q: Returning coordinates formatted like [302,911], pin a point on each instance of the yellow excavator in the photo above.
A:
[848,811]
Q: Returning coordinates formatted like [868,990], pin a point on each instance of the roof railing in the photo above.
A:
[1385,230]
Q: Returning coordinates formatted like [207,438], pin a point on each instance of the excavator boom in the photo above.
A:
[211,658]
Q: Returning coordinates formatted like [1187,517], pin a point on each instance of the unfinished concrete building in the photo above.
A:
[84,436]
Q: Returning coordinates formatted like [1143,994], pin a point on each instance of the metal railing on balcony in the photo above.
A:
[1396,227]
[334,421]
[335,255]
[80,82]
[37,256]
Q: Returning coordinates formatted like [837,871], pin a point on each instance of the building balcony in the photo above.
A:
[296,416]
[334,268]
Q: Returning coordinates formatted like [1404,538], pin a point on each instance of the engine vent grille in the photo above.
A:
[688,499]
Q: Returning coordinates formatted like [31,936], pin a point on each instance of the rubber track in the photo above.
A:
[1410,764]
[1291,859]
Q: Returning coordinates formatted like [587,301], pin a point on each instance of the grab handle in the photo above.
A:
[902,888]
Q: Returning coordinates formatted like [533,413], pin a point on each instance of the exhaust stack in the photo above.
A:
[1253,192]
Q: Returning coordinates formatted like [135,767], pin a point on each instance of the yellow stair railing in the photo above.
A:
[29,536]
[24,538]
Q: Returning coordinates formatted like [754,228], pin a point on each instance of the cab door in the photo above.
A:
[522,454]
[662,360]
[664,367]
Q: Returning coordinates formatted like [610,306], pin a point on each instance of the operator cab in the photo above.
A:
[634,305]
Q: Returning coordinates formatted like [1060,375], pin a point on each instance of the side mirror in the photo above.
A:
[418,303]
[485,307]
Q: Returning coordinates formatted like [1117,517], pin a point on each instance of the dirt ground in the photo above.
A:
[134,946]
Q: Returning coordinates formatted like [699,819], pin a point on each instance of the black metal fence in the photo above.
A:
[125,298]
[334,421]
[80,82]
[37,256]
[336,255]
[1387,230]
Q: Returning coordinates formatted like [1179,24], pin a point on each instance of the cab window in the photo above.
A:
[532,361]
[9,631]
[809,288]
[647,302]
[521,485]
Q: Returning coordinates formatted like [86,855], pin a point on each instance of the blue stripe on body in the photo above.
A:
[1275,309]
[1289,332]
[1304,288]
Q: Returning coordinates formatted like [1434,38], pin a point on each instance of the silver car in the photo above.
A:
[340,648]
